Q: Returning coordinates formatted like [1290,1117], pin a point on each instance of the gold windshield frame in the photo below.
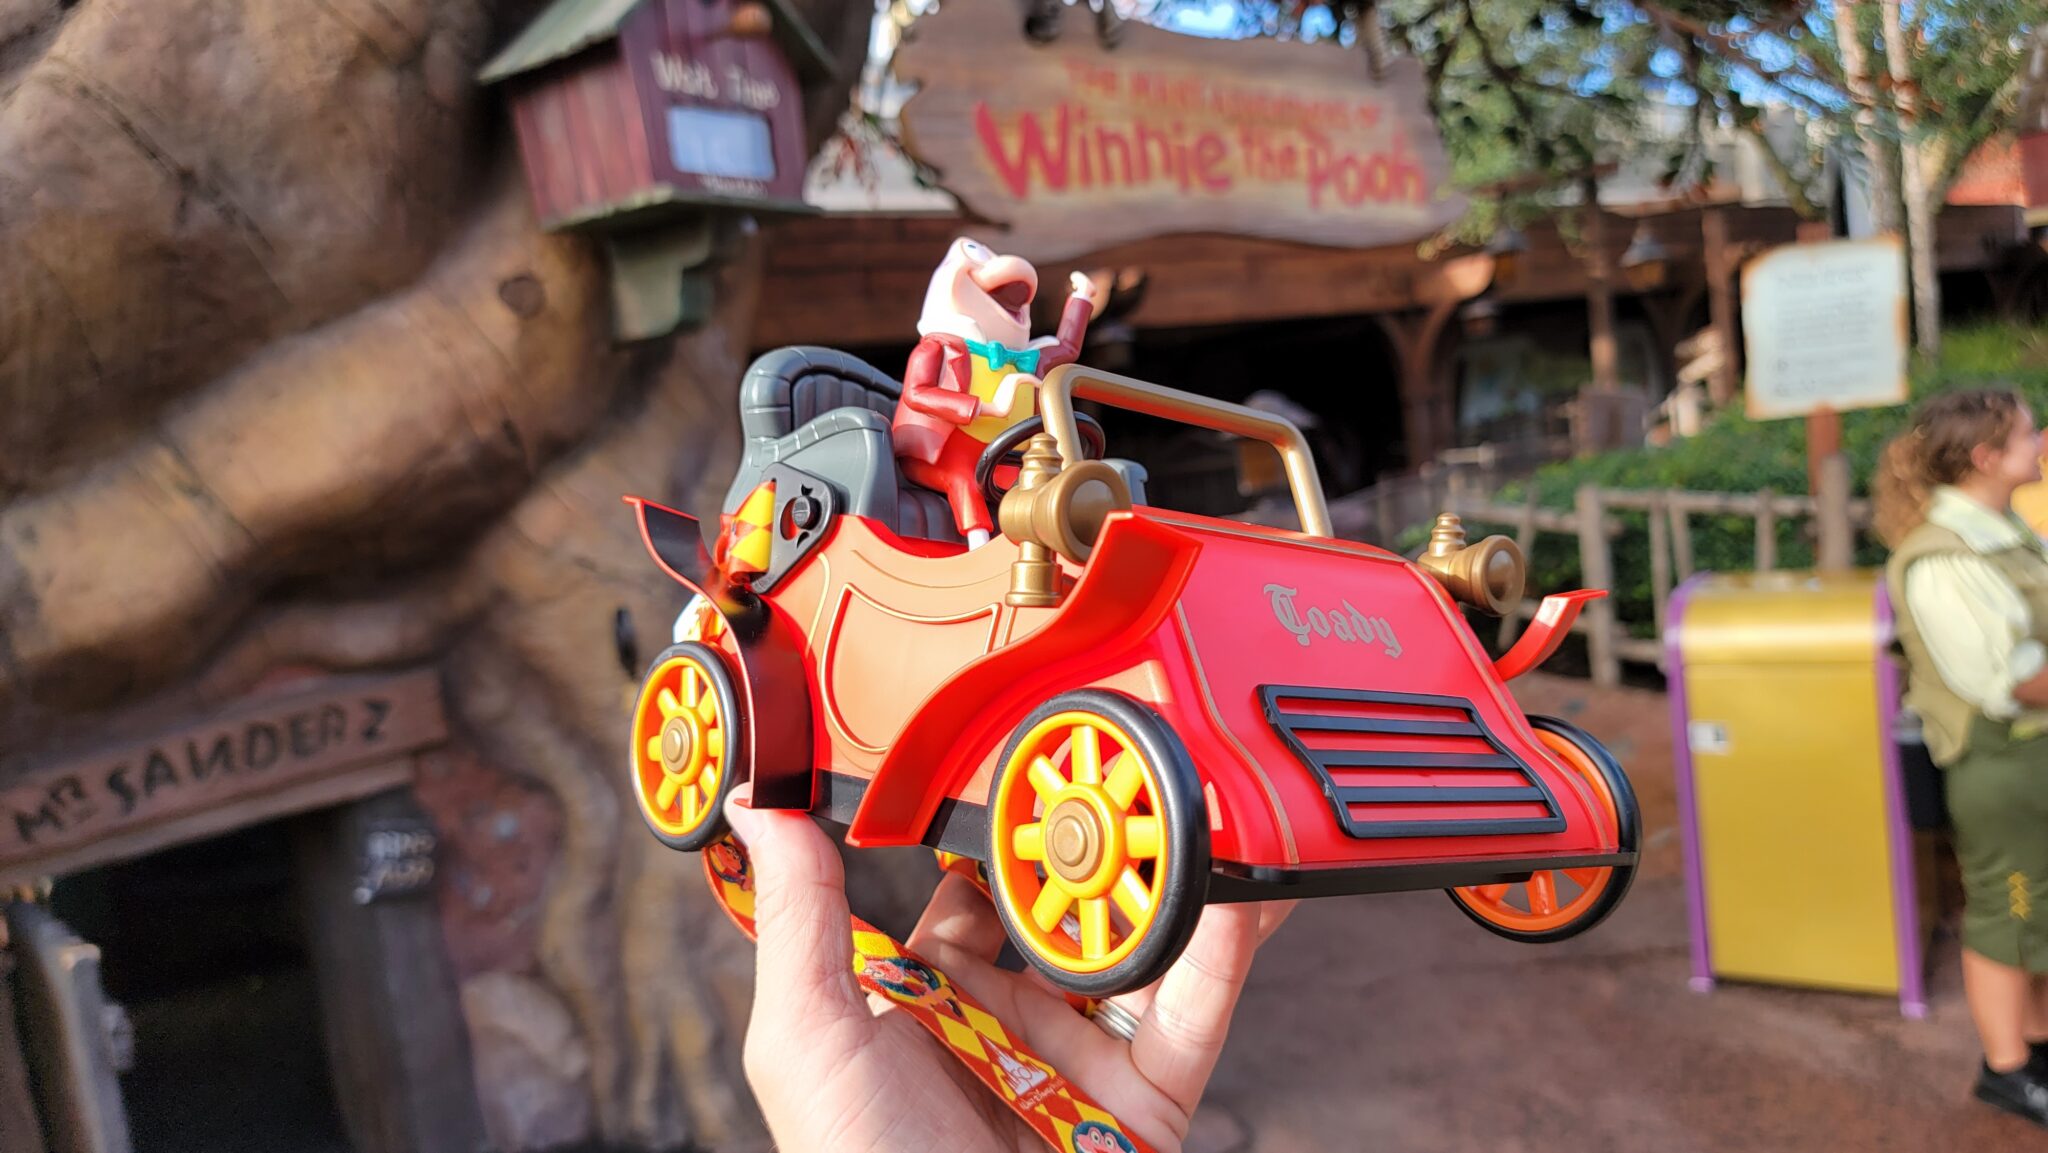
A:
[1069,382]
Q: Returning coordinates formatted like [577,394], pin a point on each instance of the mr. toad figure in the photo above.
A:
[972,372]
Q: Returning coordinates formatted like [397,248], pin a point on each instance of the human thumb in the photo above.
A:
[804,965]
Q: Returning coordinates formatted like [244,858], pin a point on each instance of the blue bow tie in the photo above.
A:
[1023,359]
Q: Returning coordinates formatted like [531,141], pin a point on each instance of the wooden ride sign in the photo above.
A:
[1076,147]
[339,740]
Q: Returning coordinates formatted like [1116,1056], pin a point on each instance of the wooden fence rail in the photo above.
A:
[1382,514]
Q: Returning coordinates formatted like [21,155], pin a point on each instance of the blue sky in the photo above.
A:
[1216,20]
[1218,17]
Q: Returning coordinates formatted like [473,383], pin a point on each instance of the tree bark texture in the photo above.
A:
[290,380]
[1600,294]
[1850,33]
[1918,187]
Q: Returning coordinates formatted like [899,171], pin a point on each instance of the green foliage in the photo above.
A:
[1536,91]
[1736,454]
[1526,88]
[1521,88]
[1555,373]
[1968,68]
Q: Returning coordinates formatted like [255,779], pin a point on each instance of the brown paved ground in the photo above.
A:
[1393,1023]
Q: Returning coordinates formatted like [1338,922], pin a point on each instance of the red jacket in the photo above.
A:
[936,397]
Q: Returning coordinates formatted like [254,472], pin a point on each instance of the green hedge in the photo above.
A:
[1735,454]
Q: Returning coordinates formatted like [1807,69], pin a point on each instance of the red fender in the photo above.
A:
[970,713]
[1553,622]
[771,678]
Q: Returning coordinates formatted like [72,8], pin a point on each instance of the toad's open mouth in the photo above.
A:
[1014,296]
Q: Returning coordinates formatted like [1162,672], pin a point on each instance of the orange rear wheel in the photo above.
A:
[685,745]
[1553,904]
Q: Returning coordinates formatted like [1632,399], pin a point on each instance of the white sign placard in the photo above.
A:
[1824,326]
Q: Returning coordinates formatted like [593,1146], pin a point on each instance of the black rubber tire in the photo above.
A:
[1186,828]
[719,672]
[1631,829]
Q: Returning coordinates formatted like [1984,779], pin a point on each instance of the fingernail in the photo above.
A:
[739,812]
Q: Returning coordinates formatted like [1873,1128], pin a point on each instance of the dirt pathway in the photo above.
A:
[1393,1023]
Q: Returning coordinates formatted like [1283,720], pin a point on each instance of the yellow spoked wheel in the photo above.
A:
[1098,844]
[1554,904]
[686,744]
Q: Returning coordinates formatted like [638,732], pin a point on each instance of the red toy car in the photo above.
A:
[1124,713]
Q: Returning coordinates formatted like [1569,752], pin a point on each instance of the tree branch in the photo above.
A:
[1795,188]
[1730,50]
[1513,83]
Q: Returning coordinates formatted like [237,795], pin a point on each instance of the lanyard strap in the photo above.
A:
[1057,1109]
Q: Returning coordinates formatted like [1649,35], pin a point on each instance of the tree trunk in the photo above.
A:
[1599,293]
[1921,209]
[2031,106]
[1372,34]
[1726,382]
[291,381]
[1884,195]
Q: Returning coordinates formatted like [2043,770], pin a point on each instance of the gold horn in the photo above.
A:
[1055,509]
[1488,576]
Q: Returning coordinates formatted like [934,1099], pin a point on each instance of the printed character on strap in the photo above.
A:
[1095,1137]
[729,864]
[974,368]
[914,982]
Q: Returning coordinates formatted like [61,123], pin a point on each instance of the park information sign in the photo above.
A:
[1825,327]
[1077,147]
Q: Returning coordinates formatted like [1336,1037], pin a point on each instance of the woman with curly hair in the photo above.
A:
[1971,584]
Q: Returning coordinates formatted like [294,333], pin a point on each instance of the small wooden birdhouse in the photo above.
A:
[656,125]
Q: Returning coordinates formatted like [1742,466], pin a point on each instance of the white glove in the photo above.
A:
[1006,393]
[1082,286]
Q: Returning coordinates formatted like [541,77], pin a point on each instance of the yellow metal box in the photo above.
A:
[1799,858]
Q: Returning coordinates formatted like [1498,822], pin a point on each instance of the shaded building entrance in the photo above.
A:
[205,949]
[223,935]
[1339,372]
